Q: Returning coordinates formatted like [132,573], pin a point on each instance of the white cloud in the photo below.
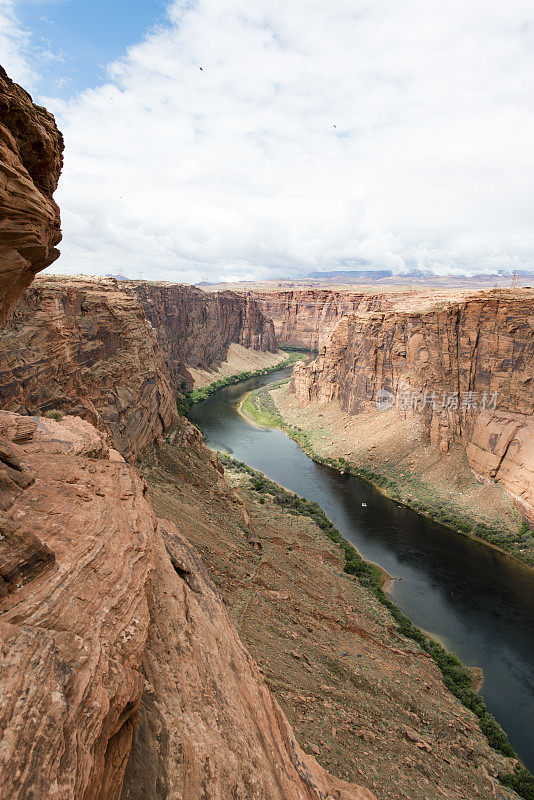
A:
[237,169]
[14,44]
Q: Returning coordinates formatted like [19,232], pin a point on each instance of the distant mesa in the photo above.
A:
[361,274]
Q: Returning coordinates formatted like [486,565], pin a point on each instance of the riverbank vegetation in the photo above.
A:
[289,348]
[187,399]
[260,407]
[456,677]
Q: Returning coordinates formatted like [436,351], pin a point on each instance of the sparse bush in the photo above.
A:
[54,413]
[520,780]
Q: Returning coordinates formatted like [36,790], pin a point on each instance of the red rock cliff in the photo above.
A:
[31,150]
[114,354]
[195,328]
[307,318]
[483,344]
[84,347]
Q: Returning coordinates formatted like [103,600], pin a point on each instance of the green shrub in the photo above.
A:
[54,413]
[520,780]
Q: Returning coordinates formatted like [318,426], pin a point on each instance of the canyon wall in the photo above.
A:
[466,368]
[307,318]
[195,328]
[110,628]
[31,149]
[115,354]
[84,347]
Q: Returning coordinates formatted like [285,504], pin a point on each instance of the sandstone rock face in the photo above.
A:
[72,633]
[104,609]
[236,742]
[500,446]
[195,327]
[483,345]
[308,318]
[31,150]
[84,347]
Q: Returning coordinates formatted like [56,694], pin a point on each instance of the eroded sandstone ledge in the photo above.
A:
[122,609]
[31,150]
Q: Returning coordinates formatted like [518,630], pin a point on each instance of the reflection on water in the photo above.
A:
[477,602]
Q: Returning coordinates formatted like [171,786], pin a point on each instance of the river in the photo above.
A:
[474,600]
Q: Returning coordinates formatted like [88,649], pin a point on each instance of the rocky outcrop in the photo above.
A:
[72,634]
[307,318]
[84,347]
[466,368]
[31,150]
[500,447]
[195,328]
[121,615]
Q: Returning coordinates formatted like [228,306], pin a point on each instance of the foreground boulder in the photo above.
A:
[117,613]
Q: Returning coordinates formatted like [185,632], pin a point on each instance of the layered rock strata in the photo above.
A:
[307,318]
[466,368]
[83,346]
[31,150]
[195,328]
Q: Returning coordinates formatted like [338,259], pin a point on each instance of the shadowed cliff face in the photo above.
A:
[195,328]
[83,346]
[308,318]
[31,150]
[483,344]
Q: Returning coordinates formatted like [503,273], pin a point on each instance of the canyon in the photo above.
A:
[195,328]
[110,625]
[161,628]
[116,354]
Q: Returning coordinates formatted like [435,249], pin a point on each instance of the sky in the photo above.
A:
[224,140]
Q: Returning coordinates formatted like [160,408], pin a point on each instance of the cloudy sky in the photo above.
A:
[234,139]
